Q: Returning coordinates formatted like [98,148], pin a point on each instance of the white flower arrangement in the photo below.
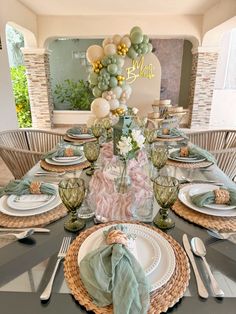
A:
[129,145]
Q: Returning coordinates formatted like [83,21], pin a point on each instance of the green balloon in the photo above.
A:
[136,29]
[112,69]
[97,92]
[149,47]
[136,38]
[113,82]
[103,72]
[119,71]
[132,54]
[93,78]
[145,49]
[145,39]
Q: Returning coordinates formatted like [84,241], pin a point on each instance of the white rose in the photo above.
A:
[125,145]
[135,110]
[138,138]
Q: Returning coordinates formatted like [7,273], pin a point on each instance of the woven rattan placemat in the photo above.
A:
[189,165]
[33,221]
[78,141]
[161,299]
[206,221]
[55,168]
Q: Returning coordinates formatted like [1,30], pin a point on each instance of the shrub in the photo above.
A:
[77,94]
[20,90]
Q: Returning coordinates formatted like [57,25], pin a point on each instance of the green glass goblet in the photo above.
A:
[91,152]
[97,130]
[72,192]
[107,126]
[166,191]
[150,135]
[159,156]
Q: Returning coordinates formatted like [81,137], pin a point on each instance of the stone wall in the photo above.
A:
[201,88]
[38,76]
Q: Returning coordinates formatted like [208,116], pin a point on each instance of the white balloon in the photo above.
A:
[94,53]
[126,40]
[91,120]
[117,91]
[128,90]
[123,106]
[107,41]
[100,107]
[114,104]
[116,39]
[120,61]
[110,49]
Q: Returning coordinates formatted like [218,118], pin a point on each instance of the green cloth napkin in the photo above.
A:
[21,187]
[194,149]
[79,130]
[60,152]
[178,132]
[209,198]
[112,275]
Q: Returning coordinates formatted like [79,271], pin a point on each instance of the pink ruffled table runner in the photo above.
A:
[108,203]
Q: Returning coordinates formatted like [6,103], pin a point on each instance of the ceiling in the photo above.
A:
[118,7]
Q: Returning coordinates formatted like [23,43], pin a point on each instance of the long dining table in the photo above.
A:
[26,265]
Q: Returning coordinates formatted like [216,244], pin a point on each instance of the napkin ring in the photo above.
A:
[69,152]
[35,187]
[222,196]
[117,236]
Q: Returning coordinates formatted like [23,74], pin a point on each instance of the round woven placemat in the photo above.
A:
[33,221]
[161,299]
[189,165]
[173,139]
[206,221]
[78,141]
[55,168]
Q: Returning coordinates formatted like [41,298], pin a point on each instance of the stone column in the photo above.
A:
[201,86]
[38,76]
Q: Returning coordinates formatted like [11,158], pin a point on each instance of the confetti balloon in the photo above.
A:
[94,53]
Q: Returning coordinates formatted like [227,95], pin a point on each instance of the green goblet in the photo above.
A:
[150,135]
[107,126]
[72,192]
[166,191]
[97,130]
[91,152]
[159,156]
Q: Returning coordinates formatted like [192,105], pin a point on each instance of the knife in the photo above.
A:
[200,285]
[41,230]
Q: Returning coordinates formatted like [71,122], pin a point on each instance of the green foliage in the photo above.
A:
[77,94]
[20,90]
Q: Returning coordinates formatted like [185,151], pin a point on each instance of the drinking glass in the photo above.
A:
[159,156]
[107,126]
[166,191]
[150,135]
[72,192]
[97,130]
[91,152]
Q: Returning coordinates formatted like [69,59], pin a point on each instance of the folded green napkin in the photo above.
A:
[178,132]
[112,275]
[194,149]
[63,152]
[21,187]
[209,198]
[79,130]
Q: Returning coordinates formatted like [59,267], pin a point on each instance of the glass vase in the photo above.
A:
[123,182]
[121,128]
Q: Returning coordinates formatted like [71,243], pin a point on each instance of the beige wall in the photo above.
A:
[188,26]
[10,11]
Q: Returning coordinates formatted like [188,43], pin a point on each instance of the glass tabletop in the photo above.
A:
[26,265]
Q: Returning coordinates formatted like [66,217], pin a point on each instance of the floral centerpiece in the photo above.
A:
[128,147]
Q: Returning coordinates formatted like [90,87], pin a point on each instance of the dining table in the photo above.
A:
[27,265]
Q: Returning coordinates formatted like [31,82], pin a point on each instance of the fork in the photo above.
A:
[200,181]
[62,253]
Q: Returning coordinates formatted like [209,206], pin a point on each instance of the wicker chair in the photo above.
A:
[226,161]
[210,140]
[22,149]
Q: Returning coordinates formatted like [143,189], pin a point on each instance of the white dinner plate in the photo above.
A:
[184,197]
[5,209]
[63,160]
[56,163]
[29,201]
[185,159]
[159,269]
[167,135]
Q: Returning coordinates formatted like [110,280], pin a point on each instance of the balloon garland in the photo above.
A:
[106,79]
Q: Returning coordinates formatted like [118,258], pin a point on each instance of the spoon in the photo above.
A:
[18,236]
[199,249]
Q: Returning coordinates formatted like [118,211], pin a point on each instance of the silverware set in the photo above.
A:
[198,248]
